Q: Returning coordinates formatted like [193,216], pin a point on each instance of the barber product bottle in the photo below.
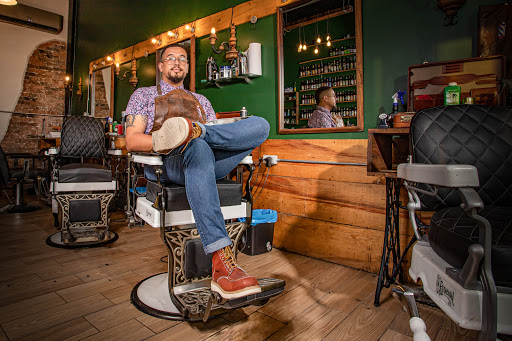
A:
[452,94]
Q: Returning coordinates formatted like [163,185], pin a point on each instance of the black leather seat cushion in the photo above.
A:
[452,231]
[31,174]
[84,172]
[230,194]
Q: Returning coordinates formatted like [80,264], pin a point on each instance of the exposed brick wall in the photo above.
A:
[43,93]
[101,107]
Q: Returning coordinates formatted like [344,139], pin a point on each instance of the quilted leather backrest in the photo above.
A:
[4,169]
[82,137]
[477,135]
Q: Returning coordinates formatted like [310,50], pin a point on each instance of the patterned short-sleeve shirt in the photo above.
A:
[322,118]
[142,102]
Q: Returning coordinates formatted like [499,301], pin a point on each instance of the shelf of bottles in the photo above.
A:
[290,109]
[335,71]
[345,112]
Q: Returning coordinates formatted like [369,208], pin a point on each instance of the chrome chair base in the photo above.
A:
[56,240]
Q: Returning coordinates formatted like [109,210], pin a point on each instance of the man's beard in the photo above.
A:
[176,78]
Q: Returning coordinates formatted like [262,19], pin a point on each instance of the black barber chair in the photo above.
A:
[81,191]
[18,177]
[183,293]
[462,169]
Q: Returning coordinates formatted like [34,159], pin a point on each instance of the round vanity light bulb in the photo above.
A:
[318,40]
[67,78]
[316,49]
[304,47]
[328,43]
[117,64]
[153,41]
[170,34]
[109,58]
[187,27]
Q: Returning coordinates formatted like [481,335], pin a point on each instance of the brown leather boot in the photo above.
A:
[175,132]
[228,279]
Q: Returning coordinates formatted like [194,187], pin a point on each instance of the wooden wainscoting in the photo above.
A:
[330,212]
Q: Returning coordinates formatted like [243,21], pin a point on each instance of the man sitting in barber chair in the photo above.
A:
[196,155]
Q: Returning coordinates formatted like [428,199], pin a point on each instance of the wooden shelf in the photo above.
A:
[328,73]
[386,148]
[330,57]
[336,103]
[333,87]
[224,81]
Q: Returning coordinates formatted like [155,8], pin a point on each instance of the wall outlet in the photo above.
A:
[270,160]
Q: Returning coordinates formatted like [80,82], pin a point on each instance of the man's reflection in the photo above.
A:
[322,117]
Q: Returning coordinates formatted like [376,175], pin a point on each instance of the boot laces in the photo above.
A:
[229,258]
[196,132]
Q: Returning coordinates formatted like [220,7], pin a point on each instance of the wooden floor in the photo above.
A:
[49,293]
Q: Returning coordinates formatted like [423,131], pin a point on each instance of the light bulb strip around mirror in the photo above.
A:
[221,20]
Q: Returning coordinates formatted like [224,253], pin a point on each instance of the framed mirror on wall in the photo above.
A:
[102,92]
[190,46]
[319,45]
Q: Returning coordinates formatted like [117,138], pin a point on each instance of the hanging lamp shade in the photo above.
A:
[8,2]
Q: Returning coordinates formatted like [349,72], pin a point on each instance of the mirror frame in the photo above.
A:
[93,90]
[359,78]
[191,62]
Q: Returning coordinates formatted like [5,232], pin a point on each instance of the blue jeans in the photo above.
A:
[205,159]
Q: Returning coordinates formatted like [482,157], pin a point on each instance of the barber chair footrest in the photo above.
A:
[152,297]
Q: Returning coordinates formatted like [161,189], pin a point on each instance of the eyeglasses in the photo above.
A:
[171,59]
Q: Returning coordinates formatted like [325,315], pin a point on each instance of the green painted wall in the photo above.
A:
[395,36]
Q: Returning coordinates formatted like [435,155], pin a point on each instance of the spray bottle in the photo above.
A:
[398,95]
[211,69]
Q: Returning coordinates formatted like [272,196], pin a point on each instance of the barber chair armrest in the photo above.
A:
[147,159]
[462,177]
[439,175]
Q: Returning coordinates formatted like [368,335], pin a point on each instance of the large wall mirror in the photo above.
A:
[102,92]
[320,44]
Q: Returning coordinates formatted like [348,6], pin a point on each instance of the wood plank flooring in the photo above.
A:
[49,293]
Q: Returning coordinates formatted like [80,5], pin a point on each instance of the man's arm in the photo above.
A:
[136,139]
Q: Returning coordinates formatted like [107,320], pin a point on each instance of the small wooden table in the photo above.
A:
[386,149]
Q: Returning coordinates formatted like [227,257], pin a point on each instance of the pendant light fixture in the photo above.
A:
[300,41]
[328,38]
[305,46]
[318,39]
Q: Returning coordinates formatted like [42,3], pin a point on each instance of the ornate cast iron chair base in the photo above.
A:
[183,293]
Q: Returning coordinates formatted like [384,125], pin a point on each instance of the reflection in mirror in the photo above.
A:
[320,46]
[102,92]
[189,45]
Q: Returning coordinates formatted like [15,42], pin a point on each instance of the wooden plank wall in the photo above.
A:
[330,212]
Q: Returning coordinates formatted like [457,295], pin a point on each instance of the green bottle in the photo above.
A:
[452,94]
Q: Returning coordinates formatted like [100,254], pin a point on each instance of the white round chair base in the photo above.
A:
[151,296]
[55,240]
